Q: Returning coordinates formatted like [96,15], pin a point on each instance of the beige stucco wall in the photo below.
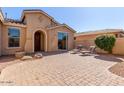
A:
[39,22]
[5,49]
[35,22]
[119,46]
[0,36]
[53,38]
[1,16]
[85,40]
[88,40]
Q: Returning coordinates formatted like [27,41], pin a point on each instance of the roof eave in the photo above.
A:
[33,11]
[69,27]
[64,26]
[94,33]
[14,24]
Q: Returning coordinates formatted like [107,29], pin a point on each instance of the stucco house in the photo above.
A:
[35,31]
[87,38]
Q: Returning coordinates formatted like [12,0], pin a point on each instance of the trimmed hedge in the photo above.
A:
[105,42]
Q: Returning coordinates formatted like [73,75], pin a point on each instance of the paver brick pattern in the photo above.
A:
[63,70]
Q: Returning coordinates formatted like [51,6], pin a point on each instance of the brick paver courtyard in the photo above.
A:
[63,69]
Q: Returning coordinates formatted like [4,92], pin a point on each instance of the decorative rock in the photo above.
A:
[19,55]
[26,58]
[38,55]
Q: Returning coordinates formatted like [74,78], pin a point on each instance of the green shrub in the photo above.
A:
[105,42]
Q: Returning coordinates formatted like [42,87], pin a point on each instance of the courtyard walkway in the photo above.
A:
[63,69]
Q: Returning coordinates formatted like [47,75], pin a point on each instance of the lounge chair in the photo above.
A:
[91,50]
[75,51]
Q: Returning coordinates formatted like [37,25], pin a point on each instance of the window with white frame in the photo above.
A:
[13,37]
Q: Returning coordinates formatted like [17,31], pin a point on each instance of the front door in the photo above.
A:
[37,42]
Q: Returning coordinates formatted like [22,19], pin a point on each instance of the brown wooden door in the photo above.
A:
[37,41]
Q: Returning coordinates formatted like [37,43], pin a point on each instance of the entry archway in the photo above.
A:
[39,41]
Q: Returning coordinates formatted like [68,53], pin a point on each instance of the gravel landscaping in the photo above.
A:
[118,69]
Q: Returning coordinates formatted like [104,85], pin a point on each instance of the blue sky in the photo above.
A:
[80,19]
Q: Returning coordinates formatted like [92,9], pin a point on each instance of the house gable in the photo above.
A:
[62,26]
[38,18]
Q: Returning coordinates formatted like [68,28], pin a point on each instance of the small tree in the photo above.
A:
[105,42]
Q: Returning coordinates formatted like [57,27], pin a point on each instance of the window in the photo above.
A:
[62,40]
[14,37]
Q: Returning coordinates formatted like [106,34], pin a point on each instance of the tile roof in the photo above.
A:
[13,21]
[99,31]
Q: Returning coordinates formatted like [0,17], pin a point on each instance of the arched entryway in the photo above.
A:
[39,41]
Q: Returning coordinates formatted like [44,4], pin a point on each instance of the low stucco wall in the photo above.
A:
[85,40]
[119,46]
[85,43]
[118,49]
[88,40]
